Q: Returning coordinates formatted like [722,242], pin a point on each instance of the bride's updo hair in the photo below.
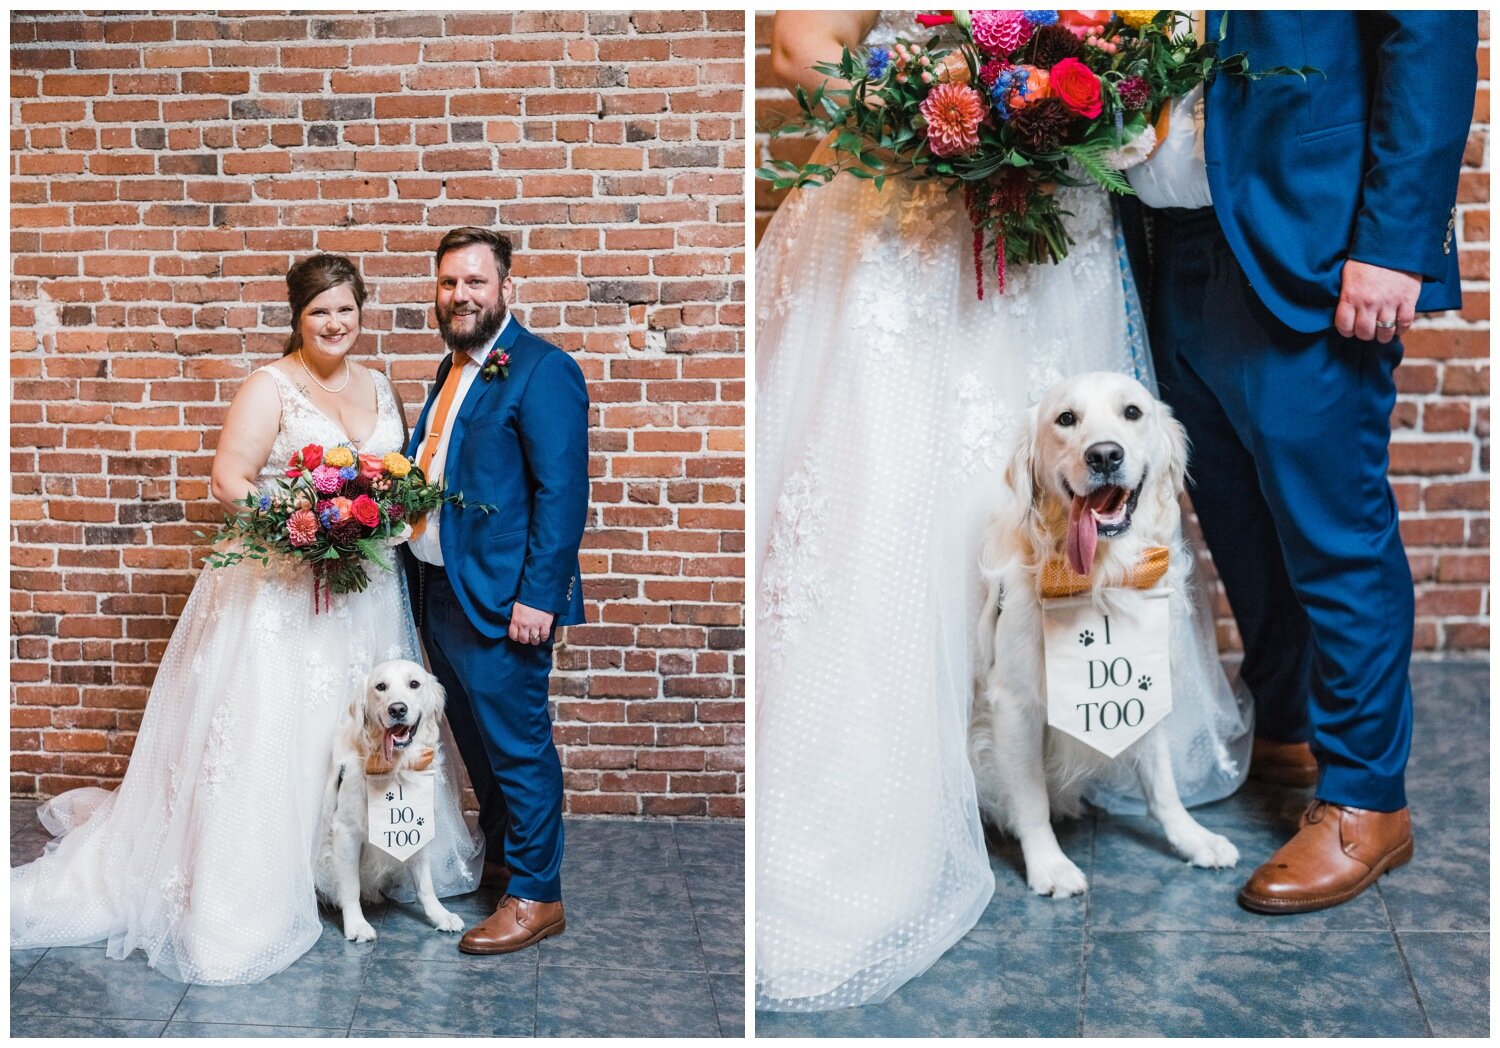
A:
[310,278]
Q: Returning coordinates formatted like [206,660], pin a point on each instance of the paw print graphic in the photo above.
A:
[421,821]
[1086,638]
[1145,683]
[389,795]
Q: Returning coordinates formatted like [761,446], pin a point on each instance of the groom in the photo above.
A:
[506,425]
[1282,281]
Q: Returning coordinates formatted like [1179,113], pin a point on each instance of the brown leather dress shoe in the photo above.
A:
[1283,763]
[515,925]
[1337,853]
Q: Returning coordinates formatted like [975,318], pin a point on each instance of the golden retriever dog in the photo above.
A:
[1095,482]
[391,728]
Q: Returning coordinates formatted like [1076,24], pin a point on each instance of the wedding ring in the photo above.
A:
[1385,325]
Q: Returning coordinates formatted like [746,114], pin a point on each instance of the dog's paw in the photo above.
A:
[1211,851]
[446,921]
[1058,878]
[359,931]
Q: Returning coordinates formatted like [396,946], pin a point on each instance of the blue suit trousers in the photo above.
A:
[497,708]
[1290,445]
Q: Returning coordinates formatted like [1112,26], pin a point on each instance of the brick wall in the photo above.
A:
[1440,453]
[165,172]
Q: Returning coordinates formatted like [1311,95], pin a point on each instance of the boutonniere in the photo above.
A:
[497,363]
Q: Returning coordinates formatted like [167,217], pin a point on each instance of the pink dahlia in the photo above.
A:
[999,32]
[302,527]
[953,113]
[327,480]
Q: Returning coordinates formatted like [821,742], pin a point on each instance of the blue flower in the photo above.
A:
[348,473]
[265,503]
[1008,81]
[328,516]
[878,62]
[1041,17]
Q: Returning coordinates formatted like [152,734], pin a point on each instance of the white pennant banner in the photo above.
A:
[1109,676]
[400,811]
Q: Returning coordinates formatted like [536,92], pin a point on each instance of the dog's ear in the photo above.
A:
[436,695]
[1020,469]
[1174,446]
[1023,517]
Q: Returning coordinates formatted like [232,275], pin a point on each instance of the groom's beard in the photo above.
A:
[486,326]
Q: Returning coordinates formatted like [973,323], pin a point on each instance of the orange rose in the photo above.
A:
[371,466]
[1038,84]
[953,69]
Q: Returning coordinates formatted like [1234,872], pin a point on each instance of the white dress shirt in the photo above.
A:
[1177,175]
[427,547]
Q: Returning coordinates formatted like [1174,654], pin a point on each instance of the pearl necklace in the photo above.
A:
[320,385]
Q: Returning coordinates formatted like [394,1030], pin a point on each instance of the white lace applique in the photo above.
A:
[793,577]
[217,754]
[1093,246]
[771,271]
[885,320]
[174,787]
[174,892]
[984,426]
[1046,368]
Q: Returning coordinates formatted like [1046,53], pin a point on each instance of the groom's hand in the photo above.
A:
[1372,296]
[529,626]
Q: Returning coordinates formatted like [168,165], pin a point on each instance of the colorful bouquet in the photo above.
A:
[336,510]
[1005,109]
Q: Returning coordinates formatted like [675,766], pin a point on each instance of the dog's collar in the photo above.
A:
[375,764]
[1060,580]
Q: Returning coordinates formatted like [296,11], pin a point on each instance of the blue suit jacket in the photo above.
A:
[1361,162]
[520,445]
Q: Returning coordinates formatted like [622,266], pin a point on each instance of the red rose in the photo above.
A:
[312,456]
[1077,87]
[367,511]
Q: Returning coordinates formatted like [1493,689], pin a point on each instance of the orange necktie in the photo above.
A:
[438,425]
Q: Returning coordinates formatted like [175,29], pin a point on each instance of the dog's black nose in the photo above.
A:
[397,710]
[1104,458]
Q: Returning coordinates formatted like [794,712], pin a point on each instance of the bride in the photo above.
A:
[887,397]
[203,858]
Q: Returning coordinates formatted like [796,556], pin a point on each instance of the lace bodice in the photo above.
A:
[303,423]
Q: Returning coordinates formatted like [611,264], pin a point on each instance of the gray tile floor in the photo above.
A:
[1156,948]
[654,947]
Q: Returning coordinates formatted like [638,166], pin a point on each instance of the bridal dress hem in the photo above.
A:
[204,856]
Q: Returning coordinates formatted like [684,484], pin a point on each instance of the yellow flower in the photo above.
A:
[396,465]
[338,457]
[1136,19]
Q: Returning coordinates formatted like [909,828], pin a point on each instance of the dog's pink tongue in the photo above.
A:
[387,746]
[1083,533]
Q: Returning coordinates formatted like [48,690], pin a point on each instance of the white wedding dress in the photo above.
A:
[203,859]
[887,398]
